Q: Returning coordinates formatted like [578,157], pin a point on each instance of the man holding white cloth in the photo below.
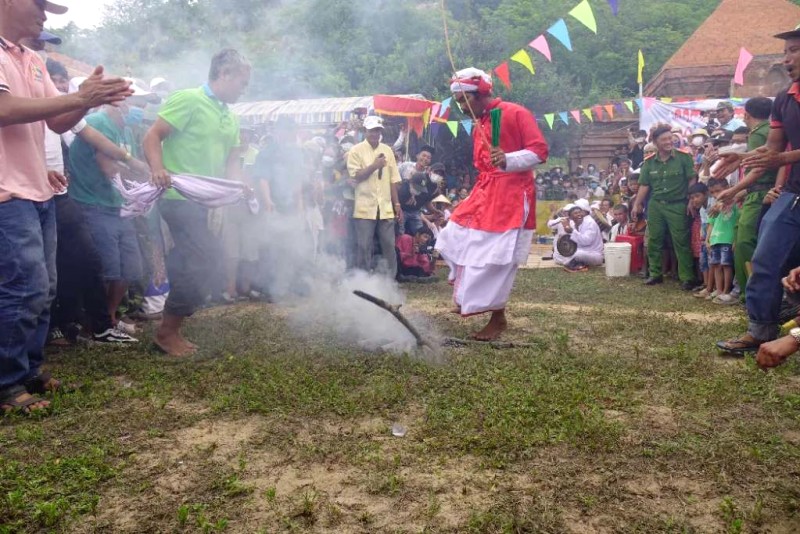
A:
[490,233]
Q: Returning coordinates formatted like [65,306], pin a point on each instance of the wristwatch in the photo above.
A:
[795,333]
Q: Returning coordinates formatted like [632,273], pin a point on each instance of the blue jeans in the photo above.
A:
[412,222]
[27,286]
[778,239]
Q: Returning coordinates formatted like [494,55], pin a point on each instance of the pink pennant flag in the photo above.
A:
[576,114]
[435,110]
[540,45]
[745,58]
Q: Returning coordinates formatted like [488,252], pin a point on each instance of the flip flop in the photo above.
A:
[739,346]
[9,400]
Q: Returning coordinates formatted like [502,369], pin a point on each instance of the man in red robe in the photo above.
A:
[490,233]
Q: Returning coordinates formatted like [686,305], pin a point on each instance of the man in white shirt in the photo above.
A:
[585,233]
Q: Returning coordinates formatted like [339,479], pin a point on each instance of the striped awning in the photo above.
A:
[307,111]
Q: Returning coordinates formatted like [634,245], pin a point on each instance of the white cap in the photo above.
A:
[568,207]
[372,122]
[155,82]
[596,205]
[583,204]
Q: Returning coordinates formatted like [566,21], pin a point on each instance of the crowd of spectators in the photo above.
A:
[696,198]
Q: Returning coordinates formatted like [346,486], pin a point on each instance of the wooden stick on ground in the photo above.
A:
[494,344]
[394,310]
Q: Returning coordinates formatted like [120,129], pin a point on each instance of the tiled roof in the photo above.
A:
[735,24]
[74,67]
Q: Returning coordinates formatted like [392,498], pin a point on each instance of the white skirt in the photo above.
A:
[476,248]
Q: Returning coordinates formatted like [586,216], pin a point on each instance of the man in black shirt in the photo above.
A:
[780,228]
[414,195]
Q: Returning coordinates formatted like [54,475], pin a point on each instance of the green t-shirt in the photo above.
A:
[205,132]
[723,227]
[88,184]
[668,180]
[758,138]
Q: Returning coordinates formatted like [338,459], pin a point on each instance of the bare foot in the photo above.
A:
[497,325]
[174,345]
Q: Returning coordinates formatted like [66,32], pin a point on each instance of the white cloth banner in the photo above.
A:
[140,197]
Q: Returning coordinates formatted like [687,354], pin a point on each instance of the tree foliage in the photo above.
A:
[307,48]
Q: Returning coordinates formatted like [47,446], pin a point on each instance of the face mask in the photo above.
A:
[436,178]
[697,141]
[134,117]
[327,161]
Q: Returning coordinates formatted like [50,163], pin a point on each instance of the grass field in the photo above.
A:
[620,417]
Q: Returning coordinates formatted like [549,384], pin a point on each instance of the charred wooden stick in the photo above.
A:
[394,310]
[494,344]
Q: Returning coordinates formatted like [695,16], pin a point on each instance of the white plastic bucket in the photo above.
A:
[618,259]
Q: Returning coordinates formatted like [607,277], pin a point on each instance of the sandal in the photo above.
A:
[45,383]
[740,346]
[11,401]
[56,338]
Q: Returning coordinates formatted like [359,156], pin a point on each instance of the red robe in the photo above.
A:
[496,202]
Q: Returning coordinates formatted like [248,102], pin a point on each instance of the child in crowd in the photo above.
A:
[698,200]
[721,231]
[415,259]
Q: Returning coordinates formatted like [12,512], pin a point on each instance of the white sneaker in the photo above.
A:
[703,293]
[128,328]
[725,300]
[712,295]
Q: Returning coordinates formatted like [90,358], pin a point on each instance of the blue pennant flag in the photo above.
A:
[559,31]
[445,106]
[467,124]
[563,116]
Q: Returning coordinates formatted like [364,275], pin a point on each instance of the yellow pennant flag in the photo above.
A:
[550,117]
[588,113]
[640,79]
[584,14]
[523,59]
[666,100]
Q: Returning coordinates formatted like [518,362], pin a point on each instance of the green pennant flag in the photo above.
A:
[550,118]
[453,125]
[523,59]
[584,14]
[629,105]
[588,113]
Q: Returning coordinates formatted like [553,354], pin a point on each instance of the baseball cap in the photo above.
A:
[55,9]
[372,122]
[720,137]
[51,38]
[793,34]
[724,105]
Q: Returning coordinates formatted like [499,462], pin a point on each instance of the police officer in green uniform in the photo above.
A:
[666,177]
[756,183]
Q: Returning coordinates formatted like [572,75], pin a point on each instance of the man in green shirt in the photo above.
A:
[666,178]
[754,187]
[196,133]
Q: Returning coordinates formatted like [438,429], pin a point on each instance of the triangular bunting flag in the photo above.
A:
[614,6]
[588,113]
[576,114]
[583,13]
[445,105]
[666,100]
[550,117]
[745,58]
[467,124]
[502,73]
[434,111]
[453,125]
[564,117]
[559,31]
[540,44]
[610,110]
[523,59]
[629,105]
[598,110]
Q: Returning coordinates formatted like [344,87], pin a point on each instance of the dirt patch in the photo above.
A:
[706,318]
[660,418]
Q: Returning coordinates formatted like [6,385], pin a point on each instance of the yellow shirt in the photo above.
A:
[373,195]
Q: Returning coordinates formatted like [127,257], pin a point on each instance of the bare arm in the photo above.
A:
[103,145]
[61,113]
[152,151]
[108,166]
[640,196]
